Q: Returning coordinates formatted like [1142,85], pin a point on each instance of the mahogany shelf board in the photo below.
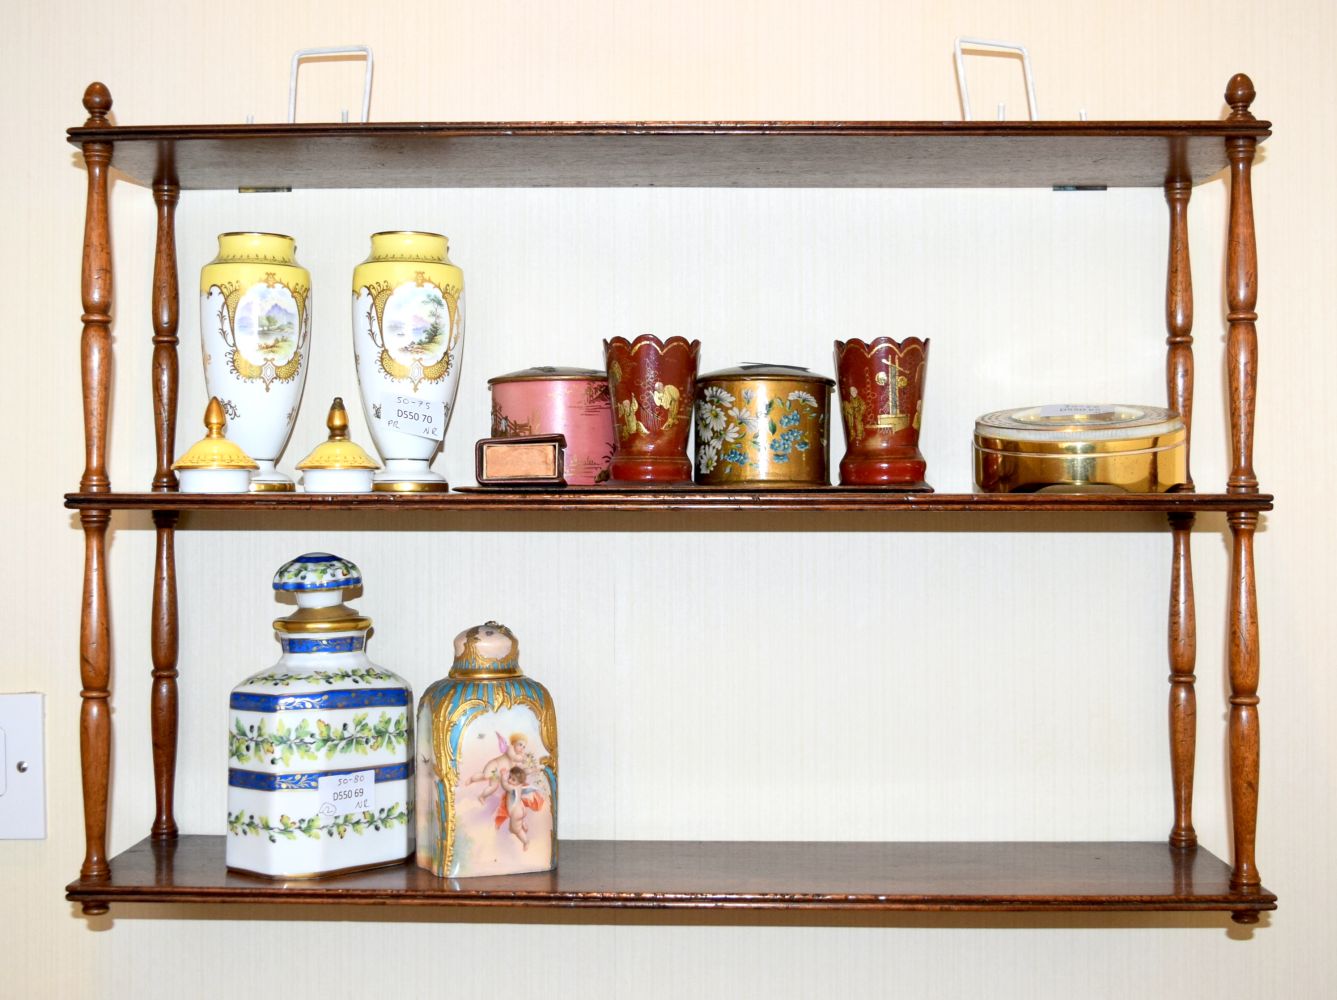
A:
[757,875]
[829,499]
[804,154]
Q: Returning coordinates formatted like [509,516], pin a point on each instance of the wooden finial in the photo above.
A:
[97,102]
[1239,95]
[214,418]
[337,421]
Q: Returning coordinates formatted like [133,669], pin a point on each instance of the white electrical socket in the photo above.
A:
[22,768]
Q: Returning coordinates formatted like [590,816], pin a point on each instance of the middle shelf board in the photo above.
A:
[1089,876]
[829,499]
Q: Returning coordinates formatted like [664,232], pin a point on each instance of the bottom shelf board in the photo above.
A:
[1088,876]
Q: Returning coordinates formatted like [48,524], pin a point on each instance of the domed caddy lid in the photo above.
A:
[318,581]
[487,650]
[320,761]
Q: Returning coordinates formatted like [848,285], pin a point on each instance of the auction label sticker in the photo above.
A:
[350,792]
[410,415]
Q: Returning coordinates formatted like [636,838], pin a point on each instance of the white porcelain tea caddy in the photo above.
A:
[320,745]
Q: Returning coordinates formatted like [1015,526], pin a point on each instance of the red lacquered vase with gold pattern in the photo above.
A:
[653,384]
[881,386]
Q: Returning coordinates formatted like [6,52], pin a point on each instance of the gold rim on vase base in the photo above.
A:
[408,486]
[271,487]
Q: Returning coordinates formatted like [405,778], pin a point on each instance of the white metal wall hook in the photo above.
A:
[333,50]
[985,43]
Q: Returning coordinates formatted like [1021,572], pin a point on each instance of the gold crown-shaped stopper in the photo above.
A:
[214,450]
[338,452]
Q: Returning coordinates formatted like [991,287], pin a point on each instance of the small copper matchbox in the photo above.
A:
[520,461]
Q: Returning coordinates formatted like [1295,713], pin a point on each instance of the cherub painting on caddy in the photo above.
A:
[503,802]
[516,774]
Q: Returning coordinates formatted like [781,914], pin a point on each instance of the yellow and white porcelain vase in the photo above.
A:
[255,329]
[408,338]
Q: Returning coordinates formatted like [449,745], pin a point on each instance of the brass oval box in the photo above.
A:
[1079,448]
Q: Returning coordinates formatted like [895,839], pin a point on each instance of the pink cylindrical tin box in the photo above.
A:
[570,401]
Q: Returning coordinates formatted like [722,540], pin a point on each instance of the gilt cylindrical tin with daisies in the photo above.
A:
[762,427]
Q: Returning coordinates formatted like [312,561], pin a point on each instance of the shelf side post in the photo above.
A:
[1242,369]
[1241,292]
[166,316]
[1244,732]
[96,286]
[95,623]
[163,709]
[1183,638]
[1183,705]
[1179,301]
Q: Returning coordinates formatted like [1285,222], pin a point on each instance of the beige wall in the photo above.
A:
[948,682]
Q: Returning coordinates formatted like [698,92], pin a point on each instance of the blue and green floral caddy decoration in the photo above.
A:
[487,764]
[762,426]
[320,746]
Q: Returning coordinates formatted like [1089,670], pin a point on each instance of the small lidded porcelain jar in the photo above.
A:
[214,464]
[337,464]
[487,764]
[320,745]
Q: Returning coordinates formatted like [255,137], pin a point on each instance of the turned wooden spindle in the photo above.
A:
[1183,709]
[95,348]
[1242,369]
[95,624]
[166,316]
[1241,292]
[163,711]
[1179,308]
[1244,742]
[163,699]
[95,677]
[1183,638]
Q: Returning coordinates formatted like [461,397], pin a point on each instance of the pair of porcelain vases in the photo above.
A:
[326,774]
[653,386]
[408,336]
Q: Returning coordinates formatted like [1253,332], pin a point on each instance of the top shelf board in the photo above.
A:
[672,154]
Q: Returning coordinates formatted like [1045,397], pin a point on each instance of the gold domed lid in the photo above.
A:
[214,451]
[338,451]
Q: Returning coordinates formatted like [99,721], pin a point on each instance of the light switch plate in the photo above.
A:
[22,767]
